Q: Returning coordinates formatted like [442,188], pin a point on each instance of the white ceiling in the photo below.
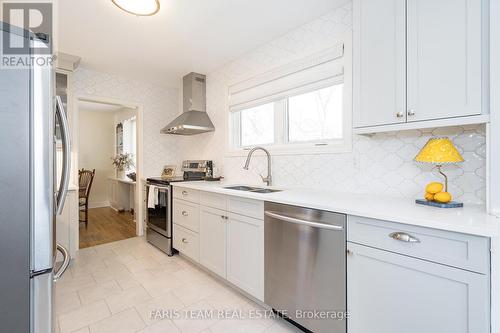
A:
[185,36]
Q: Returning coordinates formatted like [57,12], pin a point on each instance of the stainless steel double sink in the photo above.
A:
[251,189]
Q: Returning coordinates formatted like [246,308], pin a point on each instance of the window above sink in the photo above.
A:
[303,107]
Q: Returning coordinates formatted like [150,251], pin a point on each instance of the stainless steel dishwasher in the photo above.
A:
[305,266]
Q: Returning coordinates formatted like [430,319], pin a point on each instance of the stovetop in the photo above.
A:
[167,181]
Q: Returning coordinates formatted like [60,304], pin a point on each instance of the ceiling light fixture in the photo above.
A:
[138,7]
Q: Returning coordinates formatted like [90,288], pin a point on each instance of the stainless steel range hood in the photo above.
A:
[194,118]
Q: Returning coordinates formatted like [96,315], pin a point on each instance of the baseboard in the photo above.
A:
[118,209]
[98,204]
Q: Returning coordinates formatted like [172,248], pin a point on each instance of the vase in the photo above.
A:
[120,174]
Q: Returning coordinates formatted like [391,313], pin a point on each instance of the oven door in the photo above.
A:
[159,217]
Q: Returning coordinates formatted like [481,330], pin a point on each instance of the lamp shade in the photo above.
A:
[439,151]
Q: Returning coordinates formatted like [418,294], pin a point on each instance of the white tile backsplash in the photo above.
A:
[382,163]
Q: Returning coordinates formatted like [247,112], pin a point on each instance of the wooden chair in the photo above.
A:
[85,179]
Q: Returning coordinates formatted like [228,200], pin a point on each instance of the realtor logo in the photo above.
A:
[33,17]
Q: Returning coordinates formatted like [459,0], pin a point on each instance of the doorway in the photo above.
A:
[109,165]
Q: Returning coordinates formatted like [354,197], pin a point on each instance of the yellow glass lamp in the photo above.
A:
[440,151]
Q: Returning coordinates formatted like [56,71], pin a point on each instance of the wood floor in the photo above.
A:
[105,226]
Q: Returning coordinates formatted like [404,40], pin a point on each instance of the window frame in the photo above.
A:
[281,146]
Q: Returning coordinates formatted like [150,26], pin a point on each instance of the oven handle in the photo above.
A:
[160,187]
[165,189]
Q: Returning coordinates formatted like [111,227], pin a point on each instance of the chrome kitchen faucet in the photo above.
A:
[268,179]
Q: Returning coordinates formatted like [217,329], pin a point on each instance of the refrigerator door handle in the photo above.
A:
[66,166]
[65,264]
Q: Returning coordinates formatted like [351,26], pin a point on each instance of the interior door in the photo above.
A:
[444,59]
[379,62]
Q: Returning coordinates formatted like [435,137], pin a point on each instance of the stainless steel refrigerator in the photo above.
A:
[29,195]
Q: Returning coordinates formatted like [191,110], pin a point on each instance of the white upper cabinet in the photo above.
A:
[417,61]
[379,62]
[444,59]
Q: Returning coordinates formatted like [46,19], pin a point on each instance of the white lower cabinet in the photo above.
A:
[187,242]
[392,293]
[186,214]
[228,242]
[245,254]
[213,239]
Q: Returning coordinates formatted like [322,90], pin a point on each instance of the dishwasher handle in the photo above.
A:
[314,224]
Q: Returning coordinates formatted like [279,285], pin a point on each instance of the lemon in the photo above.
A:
[434,187]
[443,197]
[429,196]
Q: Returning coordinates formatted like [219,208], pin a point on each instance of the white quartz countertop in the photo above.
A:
[471,219]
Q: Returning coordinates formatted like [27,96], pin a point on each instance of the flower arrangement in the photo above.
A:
[122,161]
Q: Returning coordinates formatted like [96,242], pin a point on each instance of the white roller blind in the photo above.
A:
[307,74]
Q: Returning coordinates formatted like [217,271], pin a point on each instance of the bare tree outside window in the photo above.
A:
[316,115]
[310,117]
[257,125]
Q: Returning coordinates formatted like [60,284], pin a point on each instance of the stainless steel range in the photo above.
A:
[159,202]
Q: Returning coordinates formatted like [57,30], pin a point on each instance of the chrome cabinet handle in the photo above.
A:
[404,237]
[400,114]
[65,264]
[184,240]
[184,213]
[411,112]
[303,222]
[66,166]
[184,193]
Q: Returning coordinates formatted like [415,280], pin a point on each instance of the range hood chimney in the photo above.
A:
[194,118]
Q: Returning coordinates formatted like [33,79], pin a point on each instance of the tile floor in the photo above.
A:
[130,286]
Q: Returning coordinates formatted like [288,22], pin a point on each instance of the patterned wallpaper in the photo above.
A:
[379,164]
[160,106]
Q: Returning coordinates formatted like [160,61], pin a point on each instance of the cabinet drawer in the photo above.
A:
[246,207]
[186,242]
[186,214]
[214,200]
[187,194]
[445,247]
